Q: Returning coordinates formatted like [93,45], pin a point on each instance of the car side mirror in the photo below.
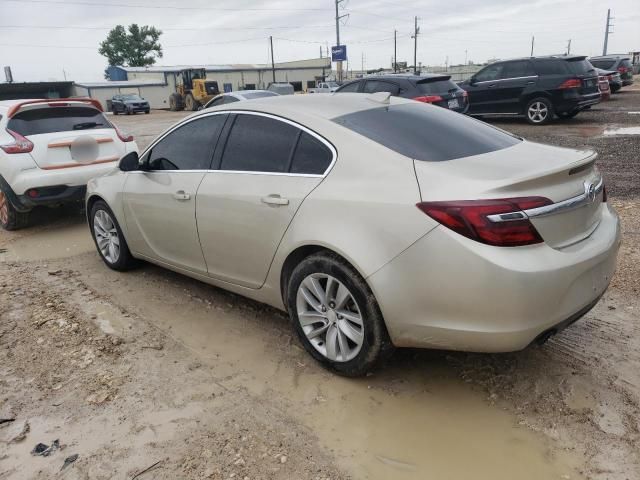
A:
[130,162]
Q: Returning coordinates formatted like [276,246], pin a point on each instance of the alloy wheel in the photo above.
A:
[4,209]
[106,235]
[538,112]
[330,317]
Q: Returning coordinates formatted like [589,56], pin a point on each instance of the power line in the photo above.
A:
[163,7]
[64,27]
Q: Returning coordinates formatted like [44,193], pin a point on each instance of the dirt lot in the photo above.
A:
[128,370]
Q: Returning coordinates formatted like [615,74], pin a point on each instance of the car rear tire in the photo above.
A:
[539,111]
[108,237]
[336,316]
[114,110]
[10,218]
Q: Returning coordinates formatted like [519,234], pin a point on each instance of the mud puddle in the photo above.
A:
[60,242]
[411,420]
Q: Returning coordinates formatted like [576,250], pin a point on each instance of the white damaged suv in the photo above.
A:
[49,150]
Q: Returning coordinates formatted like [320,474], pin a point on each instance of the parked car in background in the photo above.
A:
[620,63]
[281,88]
[129,103]
[239,96]
[613,76]
[374,221]
[537,88]
[324,87]
[433,88]
[49,149]
[605,89]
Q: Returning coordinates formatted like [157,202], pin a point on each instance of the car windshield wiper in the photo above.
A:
[86,125]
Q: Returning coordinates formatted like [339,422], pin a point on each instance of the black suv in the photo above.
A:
[436,89]
[621,63]
[536,88]
[129,103]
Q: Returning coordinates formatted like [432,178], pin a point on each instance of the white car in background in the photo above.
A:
[374,221]
[49,149]
[239,96]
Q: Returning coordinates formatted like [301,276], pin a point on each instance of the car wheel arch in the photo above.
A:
[297,255]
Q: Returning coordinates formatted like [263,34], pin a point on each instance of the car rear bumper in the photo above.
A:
[449,292]
[577,103]
[53,195]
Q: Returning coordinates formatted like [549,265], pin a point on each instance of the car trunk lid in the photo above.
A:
[568,178]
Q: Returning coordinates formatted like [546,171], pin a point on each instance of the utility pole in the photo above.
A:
[569,47]
[533,41]
[465,57]
[416,31]
[607,32]
[395,51]
[362,65]
[273,65]
[338,17]
[320,51]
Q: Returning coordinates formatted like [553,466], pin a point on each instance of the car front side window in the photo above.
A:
[189,147]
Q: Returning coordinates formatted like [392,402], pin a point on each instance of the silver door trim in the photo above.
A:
[505,79]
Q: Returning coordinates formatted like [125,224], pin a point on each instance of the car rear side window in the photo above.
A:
[426,132]
[492,72]
[373,86]
[436,86]
[603,64]
[581,67]
[311,156]
[259,144]
[189,147]
[517,69]
[551,67]
[57,119]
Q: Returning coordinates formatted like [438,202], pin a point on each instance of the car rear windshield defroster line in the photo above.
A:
[427,132]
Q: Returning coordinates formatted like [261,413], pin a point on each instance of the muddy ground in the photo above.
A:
[150,368]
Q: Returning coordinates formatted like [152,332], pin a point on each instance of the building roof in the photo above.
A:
[310,63]
[119,83]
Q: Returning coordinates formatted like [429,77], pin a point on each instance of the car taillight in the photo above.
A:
[19,144]
[122,136]
[571,83]
[623,69]
[610,78]
[428,98]
[470,218]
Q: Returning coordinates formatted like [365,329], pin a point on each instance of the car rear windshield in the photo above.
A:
[436,86]
[252,95]
[57,119]
[603,64]
[581,67]
[426,132]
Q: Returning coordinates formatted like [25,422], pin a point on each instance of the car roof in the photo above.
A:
[611,57]
[327,106]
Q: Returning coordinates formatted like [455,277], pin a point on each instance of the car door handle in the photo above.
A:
[531,83]
[181,195]
[275,200]
[492,85]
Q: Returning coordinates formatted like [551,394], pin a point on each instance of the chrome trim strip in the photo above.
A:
[591,190]
[329,145]
[505,79]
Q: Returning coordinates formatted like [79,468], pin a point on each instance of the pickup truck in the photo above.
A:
[324,87]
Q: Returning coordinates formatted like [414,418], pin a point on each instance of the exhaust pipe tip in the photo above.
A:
[544,336]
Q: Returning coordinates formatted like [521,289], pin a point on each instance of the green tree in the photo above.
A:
[134,47]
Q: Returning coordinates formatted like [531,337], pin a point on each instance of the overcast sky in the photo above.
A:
[41,38]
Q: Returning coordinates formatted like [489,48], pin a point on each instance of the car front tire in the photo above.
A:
[539,111]
[108,237]
[336,316]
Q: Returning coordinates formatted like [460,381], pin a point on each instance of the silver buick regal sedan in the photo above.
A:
[373,221]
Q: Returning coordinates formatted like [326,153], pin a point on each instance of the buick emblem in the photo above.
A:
[84,149]
[590,190]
